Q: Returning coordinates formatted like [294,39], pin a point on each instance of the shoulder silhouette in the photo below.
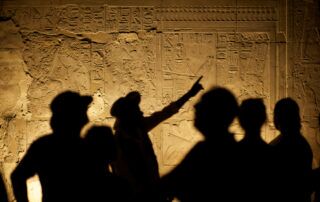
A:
[57,158]
[293,153]
[101,152]
[208,170]
[136,161]
[255,159]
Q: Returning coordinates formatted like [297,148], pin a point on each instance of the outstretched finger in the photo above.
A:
[199,79]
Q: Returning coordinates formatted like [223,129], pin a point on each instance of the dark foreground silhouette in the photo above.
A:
[137,162]
[256,165]
[57,158]
[293,154]
[207,172]
[101,152]
[3,190]
[216,169]
[316,177]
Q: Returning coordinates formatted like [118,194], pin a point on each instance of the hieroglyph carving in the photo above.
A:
[238,61]
[304,71]
[107,18]
[106,51]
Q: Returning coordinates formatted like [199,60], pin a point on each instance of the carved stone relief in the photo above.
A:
[304,74]
[108,50]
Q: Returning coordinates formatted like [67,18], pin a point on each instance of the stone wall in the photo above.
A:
[304,67]
[267,49]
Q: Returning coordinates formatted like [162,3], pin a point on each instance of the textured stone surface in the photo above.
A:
[304,74]
[267,49]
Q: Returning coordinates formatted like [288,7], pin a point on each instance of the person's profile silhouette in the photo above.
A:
[57,158]
[137,162]
[293,153]
[101,152]
[255,167]
[207,173]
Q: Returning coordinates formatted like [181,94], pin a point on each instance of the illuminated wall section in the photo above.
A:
[304,67]
[107,48]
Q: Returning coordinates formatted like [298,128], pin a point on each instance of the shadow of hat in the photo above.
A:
[125,104]
[69,101]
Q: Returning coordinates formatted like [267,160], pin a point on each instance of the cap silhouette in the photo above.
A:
[69,101]
[69,111]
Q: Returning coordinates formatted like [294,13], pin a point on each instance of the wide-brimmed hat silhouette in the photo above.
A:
[124,105]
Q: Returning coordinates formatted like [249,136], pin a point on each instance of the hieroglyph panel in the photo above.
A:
[108,51]
[238,61]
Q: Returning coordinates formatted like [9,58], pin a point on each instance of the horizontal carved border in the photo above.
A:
[107,18]
[217,13]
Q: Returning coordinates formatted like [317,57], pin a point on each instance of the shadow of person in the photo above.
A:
[3,190]
[256,164]
[101,151]
[294,155]
[137,162]
[57,158]
[207,173]
[316,177]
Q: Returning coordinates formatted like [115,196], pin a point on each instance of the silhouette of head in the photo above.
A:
[69,111]
[252,114]
[127,107]
[216,110]
[286,115]
[101,144]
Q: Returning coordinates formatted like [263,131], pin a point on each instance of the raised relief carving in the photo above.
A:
[126,19]
[236,60]
[13,85]
[303,71]
[75,18]
[107,51]
[217,13]
[242,63]
[13,139]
